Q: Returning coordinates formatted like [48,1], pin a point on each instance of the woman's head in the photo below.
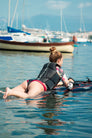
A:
[55,55]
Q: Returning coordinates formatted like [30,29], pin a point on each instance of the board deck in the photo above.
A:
[78,86]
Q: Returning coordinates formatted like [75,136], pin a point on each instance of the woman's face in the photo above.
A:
[60,61]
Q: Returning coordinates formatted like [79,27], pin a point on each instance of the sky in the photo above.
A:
[47,14]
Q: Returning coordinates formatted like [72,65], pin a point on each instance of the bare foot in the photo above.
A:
[7,93]
[2,92]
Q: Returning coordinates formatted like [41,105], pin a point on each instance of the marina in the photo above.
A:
[28,29]
[54,115]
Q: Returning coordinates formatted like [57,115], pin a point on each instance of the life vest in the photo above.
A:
[49,75]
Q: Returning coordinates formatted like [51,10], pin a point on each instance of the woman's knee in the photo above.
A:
[33,93]
[24,85]
[30,95]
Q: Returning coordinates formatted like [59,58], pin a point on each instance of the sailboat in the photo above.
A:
[25,45]
[66,37]
[82,37]
[13,34]
[18,34]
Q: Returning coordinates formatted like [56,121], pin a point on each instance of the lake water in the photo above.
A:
[52,116]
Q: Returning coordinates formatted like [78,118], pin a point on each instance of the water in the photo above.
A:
[52,116]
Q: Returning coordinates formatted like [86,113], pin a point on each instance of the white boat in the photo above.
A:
[82,40]
[22,36]
[67,47]
[6,37]
[17,34]
[81,37]
[65,39]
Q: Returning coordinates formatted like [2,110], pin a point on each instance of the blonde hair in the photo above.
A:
[54,55]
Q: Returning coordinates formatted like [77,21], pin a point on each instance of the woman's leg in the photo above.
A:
[19,91]
[22,87]
[35,89]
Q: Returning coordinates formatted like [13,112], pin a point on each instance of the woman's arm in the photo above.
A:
[67,82]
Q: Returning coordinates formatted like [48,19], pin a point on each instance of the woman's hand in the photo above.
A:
[71,80]
[60,83]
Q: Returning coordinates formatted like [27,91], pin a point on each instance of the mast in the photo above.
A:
[82,22]
[65,25]
[61,20]
[23,12]
[14,13]
[17,21]
[9,13]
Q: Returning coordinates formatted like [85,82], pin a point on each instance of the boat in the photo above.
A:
[82,40]
[13,34]
[81,35]
[67,47]
[16,34]
[6,37]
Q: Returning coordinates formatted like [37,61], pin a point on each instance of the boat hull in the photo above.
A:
[66,47]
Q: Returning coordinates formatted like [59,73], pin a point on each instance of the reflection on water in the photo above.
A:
[46,113]
[63,115]
[54,114]
[46,54]
[11,53]
[53,107]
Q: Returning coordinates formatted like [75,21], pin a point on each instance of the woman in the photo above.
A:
[48,78]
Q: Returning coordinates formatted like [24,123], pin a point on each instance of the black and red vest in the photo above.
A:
[49,75]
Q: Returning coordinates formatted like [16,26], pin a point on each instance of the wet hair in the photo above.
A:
[54,55]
